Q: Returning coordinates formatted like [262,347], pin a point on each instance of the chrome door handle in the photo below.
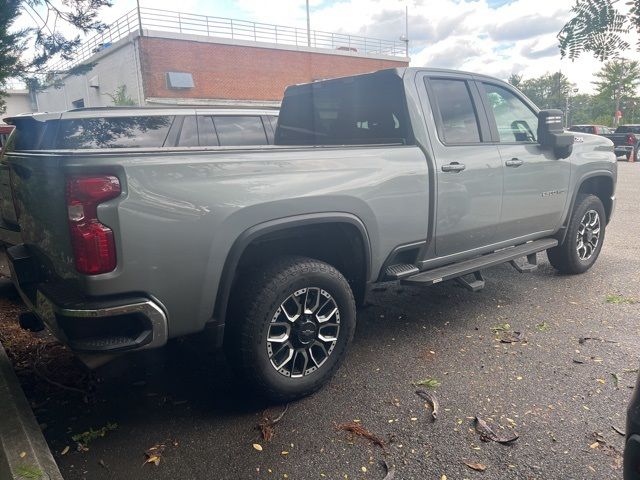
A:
[453,167]
[514,162]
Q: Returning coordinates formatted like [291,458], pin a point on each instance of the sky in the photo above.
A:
[493,37]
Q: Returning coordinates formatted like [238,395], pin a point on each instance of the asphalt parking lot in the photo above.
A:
[562,395]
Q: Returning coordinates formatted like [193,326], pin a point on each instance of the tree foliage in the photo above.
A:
[548,91]
[599,27]
[24,52]
[616,88]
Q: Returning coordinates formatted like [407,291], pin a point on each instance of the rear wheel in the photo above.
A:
[292,323]
[584,239]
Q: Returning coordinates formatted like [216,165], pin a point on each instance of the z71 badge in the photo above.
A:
[553,192]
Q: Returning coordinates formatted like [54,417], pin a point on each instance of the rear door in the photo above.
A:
[535,182]
[468,166]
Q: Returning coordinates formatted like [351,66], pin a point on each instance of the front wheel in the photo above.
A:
[292,322]
[584,238]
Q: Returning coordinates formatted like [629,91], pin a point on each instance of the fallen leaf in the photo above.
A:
[257,446]
[618,430]
[65,450]
[432,400]
[154,454]
[391,471]
[266,424]
[478,467]
[594,445]
[511,337]
[500,327]
[23,454]
[616,379]
[155,459]
[358,429]
[488,434]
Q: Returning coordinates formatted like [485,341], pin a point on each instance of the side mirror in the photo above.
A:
[551,134]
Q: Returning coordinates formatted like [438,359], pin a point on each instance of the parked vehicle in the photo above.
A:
[632,446]
[593,129]
[271,248]
[132,128]
[626,139]
[5,130]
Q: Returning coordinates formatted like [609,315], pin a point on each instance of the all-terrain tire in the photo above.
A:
[257,306]
[569,257]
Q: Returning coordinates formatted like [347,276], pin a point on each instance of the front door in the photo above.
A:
[468,167]
[535,182]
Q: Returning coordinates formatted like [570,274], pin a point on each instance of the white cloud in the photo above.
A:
[517,37]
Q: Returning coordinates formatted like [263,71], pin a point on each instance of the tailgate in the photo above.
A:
[9,229]
[38,190]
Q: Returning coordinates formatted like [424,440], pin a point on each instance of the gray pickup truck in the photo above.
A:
[411,175]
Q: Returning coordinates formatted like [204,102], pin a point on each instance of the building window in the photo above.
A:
[179,80]
[78,103]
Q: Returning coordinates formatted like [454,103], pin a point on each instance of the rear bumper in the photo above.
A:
[87,324]
[623,149]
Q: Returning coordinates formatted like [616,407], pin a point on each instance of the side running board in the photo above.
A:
[473,265]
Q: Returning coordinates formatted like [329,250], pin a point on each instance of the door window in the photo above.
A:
[459,119]
[516,122]
[113,132]
[189,132]
[206,132]
[239,131]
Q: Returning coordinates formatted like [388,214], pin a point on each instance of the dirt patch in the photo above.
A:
[45,367]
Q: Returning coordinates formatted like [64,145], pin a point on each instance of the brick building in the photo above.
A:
[155,57]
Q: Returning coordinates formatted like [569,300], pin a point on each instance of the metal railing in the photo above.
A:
[188,23]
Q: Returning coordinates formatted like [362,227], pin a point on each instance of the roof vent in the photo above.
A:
[179,80]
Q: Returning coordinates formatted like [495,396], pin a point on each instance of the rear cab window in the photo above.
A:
[345,111]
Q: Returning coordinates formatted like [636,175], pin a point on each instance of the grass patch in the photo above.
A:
[29,472]
[428,382]
[500,327]
[618,299]
[85,438]
[542,327]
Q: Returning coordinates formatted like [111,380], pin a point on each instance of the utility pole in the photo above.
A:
[308,26]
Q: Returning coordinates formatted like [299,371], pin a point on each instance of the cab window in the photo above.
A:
[516,122]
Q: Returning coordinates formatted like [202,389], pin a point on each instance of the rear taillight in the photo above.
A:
[631,139]
[93,243]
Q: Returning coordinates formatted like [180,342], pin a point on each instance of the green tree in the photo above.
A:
[25,52]
[515,79]
[617,83]
[120,97]
[551,90]
[599,27]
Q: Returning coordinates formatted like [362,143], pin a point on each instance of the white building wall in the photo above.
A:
[17,101]
[116,66]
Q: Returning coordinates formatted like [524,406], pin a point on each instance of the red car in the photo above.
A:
[5,130]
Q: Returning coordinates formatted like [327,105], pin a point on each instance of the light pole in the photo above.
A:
[308,26]
[405,38]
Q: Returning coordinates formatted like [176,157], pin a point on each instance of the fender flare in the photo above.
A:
[562,232]
[252,233]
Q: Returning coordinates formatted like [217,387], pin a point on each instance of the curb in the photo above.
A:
[20,433]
